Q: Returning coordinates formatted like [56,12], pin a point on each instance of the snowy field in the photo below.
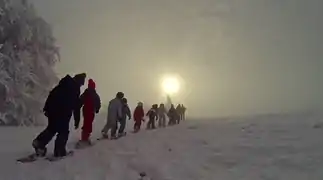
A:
[272,147]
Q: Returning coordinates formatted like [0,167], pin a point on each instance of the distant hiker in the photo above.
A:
[138,116]
[125,113]
[91,104]
[183,112]
[172,115]
[179,112]
[114,114]
[61,103]
[153,116]
[162,116]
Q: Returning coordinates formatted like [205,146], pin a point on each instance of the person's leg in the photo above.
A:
[61,138]
[160,121]
[163,121]
[87,127]
[84,133]
[122,126]
[149,124]
[114,127]
[139,125]
[135,126]
[41,141]
[153,124]
[106,128]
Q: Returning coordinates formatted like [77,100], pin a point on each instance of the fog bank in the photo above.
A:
[234,56]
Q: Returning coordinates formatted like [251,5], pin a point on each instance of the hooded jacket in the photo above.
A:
[90,99]
[115,112]
[64,100]
[139,113]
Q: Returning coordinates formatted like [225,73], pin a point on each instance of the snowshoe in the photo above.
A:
[104,136]
[55,158]
[39,152]
[114,137]
[83,144]
[30,158]
[122,134]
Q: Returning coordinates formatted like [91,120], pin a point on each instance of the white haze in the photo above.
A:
[235,56]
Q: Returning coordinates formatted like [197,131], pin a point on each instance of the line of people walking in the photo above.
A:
[119,111]
[65,100]
[158,114]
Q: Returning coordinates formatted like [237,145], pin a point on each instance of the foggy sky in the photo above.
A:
[235,56]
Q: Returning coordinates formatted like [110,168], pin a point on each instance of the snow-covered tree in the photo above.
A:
[27,56]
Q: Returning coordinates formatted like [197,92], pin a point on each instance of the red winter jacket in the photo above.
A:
[90,99]
[138,114]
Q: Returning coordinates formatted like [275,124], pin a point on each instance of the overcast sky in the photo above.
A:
[235,56]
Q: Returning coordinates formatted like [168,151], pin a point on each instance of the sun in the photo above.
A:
[170,85]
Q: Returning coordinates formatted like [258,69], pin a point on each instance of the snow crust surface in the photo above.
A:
[271,147]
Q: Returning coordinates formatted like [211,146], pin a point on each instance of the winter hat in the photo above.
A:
[91,84]
[80,78]
[120,95]
[125,100]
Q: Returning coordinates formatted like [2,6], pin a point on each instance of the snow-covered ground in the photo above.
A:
[272,147]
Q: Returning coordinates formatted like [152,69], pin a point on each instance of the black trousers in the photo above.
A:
[151,124]
[59,127]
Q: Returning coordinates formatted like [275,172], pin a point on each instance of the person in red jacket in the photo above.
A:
[91,104]
[138,116]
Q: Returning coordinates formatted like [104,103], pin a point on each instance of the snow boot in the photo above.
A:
[114,137]
[104,135]
[83,144]
[122,134]
[40,152]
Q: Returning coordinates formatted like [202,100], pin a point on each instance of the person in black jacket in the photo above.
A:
[61,103]
[172,115]
[153,116]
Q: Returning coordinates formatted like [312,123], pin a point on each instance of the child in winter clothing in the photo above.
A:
[179,113]
[125,113]
[91,104]
[152,114]
[172,115]
[162,116]
[114,114]
[138,116]
[183,112]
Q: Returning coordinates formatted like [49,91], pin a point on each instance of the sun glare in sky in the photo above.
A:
[170,85]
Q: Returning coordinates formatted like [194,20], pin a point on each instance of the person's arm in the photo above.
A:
[98,103]
[48,102]
[128,112]
[142,115]
[120,110]
[77,109]
[82,98]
